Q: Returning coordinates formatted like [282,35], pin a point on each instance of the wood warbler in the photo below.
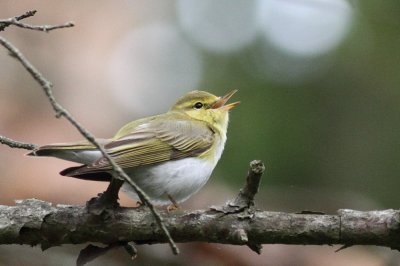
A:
[169,156]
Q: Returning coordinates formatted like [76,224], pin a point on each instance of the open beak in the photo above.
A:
[220,103]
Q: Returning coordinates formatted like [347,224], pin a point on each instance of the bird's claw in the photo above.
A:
[174,205]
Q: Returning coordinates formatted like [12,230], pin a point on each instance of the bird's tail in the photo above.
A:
[76,173]
[80,152]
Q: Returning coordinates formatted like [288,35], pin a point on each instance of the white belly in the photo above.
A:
[178,179]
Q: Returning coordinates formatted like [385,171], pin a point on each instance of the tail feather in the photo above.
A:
[76,172]
[76,146]
[43,151]
[82,152]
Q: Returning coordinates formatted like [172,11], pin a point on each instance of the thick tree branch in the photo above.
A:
[35,222]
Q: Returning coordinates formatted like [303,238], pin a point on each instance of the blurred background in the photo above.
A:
[318,81]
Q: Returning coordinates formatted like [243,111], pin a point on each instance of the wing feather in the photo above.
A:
[156,141]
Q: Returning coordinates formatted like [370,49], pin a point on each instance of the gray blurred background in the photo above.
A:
[318,81]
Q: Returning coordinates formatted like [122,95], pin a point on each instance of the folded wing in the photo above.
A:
[153,142]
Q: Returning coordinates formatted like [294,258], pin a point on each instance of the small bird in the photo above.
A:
[169,156]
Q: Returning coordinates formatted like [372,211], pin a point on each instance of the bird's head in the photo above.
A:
[204,106]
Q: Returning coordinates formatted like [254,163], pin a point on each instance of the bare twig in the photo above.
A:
[23,16]
[16,144]
[27,14]
[45,28]
[246,195]
[245,198]
[60,111]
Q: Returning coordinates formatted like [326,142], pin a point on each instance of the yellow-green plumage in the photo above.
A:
[148,146]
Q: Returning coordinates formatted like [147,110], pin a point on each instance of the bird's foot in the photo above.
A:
[102,202]
[174,205]
[106,200]
[140,206]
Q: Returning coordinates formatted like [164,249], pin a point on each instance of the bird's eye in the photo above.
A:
[198,105]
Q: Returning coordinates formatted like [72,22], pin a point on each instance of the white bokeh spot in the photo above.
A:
[219,26]
[152,66]
[305,28]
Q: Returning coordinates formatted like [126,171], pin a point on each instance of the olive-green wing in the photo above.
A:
[157,141]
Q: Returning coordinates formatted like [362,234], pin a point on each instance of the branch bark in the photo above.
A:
[35,222]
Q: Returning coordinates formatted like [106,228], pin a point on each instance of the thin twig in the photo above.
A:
[253,179]
[16,144]
[27,14]
[45,28]
[60,111]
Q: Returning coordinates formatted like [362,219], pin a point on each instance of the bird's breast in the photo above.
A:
[178,179]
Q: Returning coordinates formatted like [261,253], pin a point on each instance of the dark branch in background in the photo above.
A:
[16,144]
[60,111]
